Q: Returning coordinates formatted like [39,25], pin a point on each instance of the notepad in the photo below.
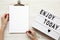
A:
[19,19]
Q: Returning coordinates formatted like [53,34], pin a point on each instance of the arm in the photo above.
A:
[31,34]
[4,20]
[1,34]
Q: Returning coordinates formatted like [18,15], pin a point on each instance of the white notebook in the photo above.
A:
[19,19]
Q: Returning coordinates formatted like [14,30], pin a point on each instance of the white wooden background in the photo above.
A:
[35,7]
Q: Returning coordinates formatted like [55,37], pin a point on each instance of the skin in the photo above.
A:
[31,34]
[4,20]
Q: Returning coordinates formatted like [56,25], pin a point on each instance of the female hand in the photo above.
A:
[4,20]
[31,34]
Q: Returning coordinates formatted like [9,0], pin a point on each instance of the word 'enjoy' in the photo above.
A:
[48,15]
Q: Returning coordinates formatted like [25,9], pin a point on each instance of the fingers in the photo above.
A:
[32,32]
[29,35]
[4,20]
[6,17]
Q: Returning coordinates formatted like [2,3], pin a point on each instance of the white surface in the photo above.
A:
[35,7]
[39,24]
[19,19]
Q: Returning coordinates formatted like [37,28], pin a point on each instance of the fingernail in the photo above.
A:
[29,31]
[5,15]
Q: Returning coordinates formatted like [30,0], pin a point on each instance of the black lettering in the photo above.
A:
[41,11]
[53,26]
[47,14]
[53,17]
[50,24]
[44,13]
[50,16]
[45,20]
[56,27]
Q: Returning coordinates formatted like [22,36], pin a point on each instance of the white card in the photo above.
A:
[46,25]
[19,19]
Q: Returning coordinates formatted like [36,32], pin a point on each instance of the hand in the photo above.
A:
[4,20]
[31,34]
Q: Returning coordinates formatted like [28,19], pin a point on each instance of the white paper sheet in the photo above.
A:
[19,19]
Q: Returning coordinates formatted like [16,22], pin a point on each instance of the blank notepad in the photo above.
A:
[19,19]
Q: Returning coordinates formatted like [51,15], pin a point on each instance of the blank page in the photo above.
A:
[19,19]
